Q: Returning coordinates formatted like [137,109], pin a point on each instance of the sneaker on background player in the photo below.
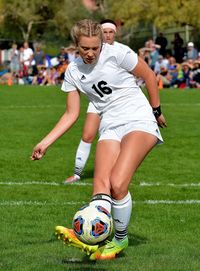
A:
[72,179]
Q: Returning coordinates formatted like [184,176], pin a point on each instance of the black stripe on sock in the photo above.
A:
[105,197]
[78,171]
[119,235]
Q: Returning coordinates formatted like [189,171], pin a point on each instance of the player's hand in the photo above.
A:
[38,151]
[161,121]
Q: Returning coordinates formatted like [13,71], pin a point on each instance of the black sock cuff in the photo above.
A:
[100,196]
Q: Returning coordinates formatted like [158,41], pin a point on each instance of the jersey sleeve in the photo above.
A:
[68,84]
[128,60]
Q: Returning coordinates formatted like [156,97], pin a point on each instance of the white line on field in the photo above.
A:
[46,203]
[35,202]
[170,202]
[170,184]
[43,183]
[32,106]
[82,183]
[61,105]
[181,104]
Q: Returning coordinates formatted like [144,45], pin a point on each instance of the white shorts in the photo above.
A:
[119,131]
[91,108]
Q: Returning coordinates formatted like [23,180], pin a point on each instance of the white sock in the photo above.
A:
[121,213]
[82,155]
[103,200]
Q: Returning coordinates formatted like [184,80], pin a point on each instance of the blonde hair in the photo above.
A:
[87,28]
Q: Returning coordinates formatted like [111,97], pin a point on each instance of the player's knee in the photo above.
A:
[88,137]
[118,189]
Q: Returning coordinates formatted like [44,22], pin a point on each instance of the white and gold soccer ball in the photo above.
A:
[92,224]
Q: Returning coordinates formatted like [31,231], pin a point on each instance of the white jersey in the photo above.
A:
[91,108]
[110,86]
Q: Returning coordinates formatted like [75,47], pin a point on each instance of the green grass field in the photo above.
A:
[164,230]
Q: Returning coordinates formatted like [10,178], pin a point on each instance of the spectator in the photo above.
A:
[161,62]
[41,78]
[39,55]
[71,50]
[28,55]
[172,63]
[144,53]
[147,52]
[52,76]
[5,76]
[21,56]
[14,59]
[162,41]
[154,55]
[192,52]
[178,48]
[184,81]
[164,78]
[63,55]
[195,74]
[61,69]
[173,71]
[198,57]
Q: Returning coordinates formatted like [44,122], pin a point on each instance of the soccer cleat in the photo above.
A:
[70,239]
[110,250]
[72,179]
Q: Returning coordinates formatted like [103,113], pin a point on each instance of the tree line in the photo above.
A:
[49,19]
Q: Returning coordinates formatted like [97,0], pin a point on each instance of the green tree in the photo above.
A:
[160,13]
[65,15]
[22,16]
[38,17]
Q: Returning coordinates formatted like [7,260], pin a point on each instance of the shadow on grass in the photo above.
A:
[88,174]
[136,240]
[83,264]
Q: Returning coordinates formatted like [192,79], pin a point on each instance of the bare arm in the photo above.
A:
[65,122]
[143,71]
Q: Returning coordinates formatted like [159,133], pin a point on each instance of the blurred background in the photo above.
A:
[49,22]
[155,29]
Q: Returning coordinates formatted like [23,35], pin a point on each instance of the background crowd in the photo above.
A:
[176,67]
[32,66]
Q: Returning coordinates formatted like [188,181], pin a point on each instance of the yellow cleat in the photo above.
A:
[110,250]
[70,239]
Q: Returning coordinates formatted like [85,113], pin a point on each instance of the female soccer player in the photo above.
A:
[128,125]
[92,120]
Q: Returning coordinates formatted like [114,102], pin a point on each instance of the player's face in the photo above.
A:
[109,35]
[89,49]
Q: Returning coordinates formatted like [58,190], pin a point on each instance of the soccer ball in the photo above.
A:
[92,224]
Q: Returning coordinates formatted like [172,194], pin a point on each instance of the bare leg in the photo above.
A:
[90,129]
[107,152]
[115,165]
[116,162]
[134,148]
